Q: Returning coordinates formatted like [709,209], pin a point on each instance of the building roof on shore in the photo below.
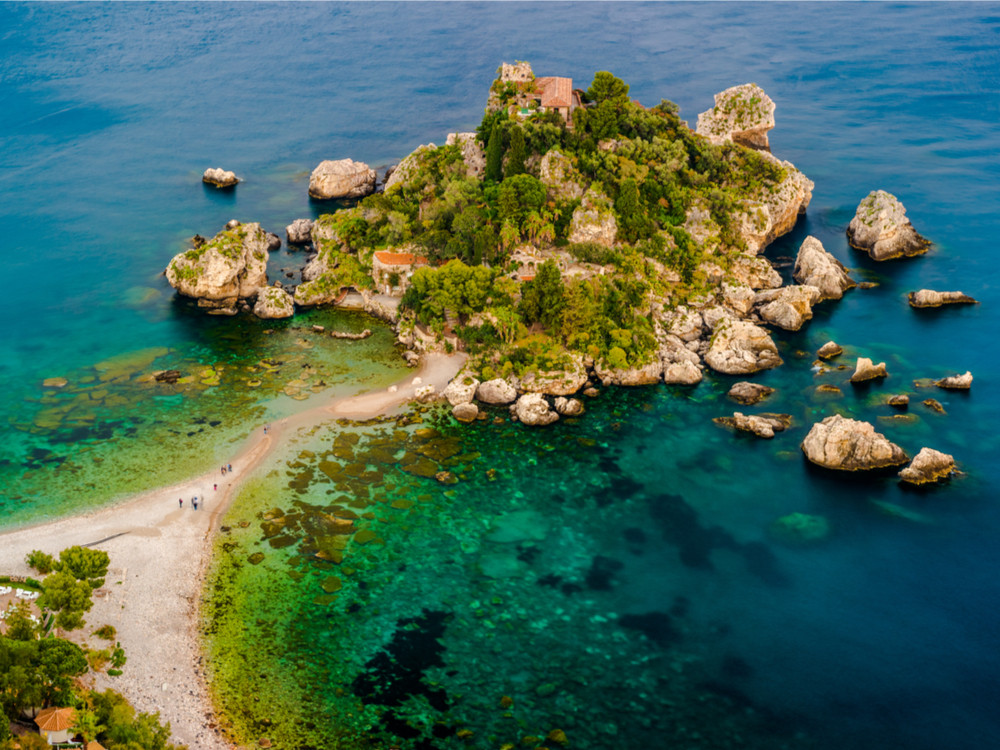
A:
[94,745]
[55,719]
[389,258]
[555,91]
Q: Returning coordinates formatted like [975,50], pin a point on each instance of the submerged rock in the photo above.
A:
[956,382]
[930,298]
[881,229]
[273,302]
[742,114]
[927,467]
[829,350]
[814,266]
[748,393]
[867,370]
[934,405]
[800,529]
[850,445]
[344,178]
[739,347]
[533,410]
[219,177]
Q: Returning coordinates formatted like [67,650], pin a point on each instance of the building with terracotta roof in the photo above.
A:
[391,271]
[557,94]
[54,724]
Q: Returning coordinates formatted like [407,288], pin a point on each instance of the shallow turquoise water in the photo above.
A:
[883,636]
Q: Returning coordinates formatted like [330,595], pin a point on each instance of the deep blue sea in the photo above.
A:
[883,636]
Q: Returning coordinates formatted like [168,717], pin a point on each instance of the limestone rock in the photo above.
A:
[956,382]
[866,370]
[742,114]
[219,177]
[748,393]
[344,178]
[461,390]
[928,466]
[774,210]
[473,153]
[594,220]
[681,366]
[563,382]
[761,425]
[829,350]
[533,410]
[496,391]
[561,178]
[754,271]
[739,347]
[817,267]
[934,405]
[738,298]
[273,302]
[850,445]
[465,412]
[569,407]
[424,393]
[929,298]
[881,229]
[629,376]
[299,232]
[408,166]
[230,267]
[684,323]
[788,307]
[899,401]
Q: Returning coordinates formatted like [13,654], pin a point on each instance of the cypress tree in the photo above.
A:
[494,155]
[516,154]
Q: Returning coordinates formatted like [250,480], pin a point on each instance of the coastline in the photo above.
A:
[160,553]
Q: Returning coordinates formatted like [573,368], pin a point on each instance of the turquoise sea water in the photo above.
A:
[643,597]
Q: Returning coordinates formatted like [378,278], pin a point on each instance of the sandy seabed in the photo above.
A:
[160,552]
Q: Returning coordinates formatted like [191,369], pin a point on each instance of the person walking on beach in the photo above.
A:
[223,471]
[230,468]
[265,429]
[194,502]
[180,502]
[215,488]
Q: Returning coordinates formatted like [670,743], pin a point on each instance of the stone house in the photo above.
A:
[391,271]
[557,95]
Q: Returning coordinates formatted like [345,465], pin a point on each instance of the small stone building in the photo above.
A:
[391,271]
[54,724]
[555,94]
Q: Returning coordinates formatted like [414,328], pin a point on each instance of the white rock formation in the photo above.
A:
[817,267]
[880,228]
[344,178]
[849,445]
[272,303]
[739,347]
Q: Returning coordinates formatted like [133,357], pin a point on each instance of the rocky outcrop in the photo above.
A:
[929,298]
[272,303]
[742,114]
[956,382]
[532,409]
[754,271]
[866,370]
[773,211]
[561,178]
[681,366]
[408,167]
[229,268]
[739,347]
[344,178]
[748,393]
[928,466]
[629,376]
[829,350]
[881,229]
[569,407]
[496,391]
[684,323]
[817,267]
[761,425]
[788,307]
[594,220]
[849,445]
[899,401]
[564,382]
[465,412]
[738,298]
[219,177]
[461,390]
[473,153]
[299,232]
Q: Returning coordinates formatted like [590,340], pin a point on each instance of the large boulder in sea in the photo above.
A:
[273,302]
[817,267]
[866,370]
[927,467]
[219,177]
[532,409]
[344,178]
[496,391]
[461,389]
[738,347]
[232,266]
[299,232]
[881,229]
[956,382]
[594,220]
[473,153]
[930,298]
[742,114]
[788,307]
[850,445]
[761,425]
[748,393]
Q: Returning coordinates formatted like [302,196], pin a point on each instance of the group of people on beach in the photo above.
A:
[226,469]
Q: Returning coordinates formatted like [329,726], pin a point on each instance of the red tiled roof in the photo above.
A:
[555,92]
[55,719]
[399,259]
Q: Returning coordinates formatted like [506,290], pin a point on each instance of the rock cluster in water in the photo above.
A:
[219,177]
[930,298]
[850,445]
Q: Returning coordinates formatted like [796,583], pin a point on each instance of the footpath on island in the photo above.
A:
[160,552]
